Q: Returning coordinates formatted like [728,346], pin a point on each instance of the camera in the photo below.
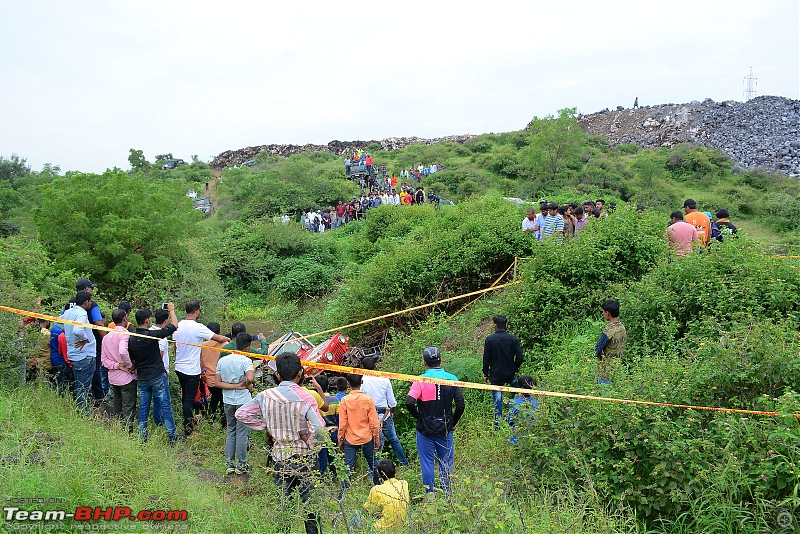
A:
[164,306]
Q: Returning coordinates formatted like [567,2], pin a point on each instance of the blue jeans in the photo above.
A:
[156,389]
[100,384]
[350,452]
[389,434]
[435,450]
[60,375]
[497,398]
[83,370]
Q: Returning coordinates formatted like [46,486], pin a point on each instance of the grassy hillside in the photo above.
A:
[718,329]
[47,451]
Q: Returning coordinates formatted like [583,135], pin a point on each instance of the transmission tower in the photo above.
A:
[750,83]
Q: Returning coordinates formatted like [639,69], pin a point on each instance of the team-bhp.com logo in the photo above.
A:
[96,513]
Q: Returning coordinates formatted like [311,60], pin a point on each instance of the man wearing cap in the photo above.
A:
[699,220]
[100,384]
[432,406]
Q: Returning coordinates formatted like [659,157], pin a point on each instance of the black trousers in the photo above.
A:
[189,386]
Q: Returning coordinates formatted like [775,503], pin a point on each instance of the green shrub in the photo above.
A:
[734,280]
[662,461]
[628,148]
[570,281]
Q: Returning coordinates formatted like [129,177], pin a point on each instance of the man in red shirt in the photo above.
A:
[341,209]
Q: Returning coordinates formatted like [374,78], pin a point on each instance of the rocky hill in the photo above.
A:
[230,158]
[763,132]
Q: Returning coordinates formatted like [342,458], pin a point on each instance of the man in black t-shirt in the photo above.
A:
[152,377]
[502,358]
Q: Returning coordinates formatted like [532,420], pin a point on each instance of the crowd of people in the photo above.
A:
[378,187]
[306,419]
[688,230]
[691,230]
[564,221]
[357,208]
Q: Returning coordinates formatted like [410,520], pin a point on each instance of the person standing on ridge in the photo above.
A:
[611,344]
[699,220]
[502,358]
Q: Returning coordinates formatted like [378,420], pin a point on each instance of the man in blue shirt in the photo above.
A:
[100,384]
[60,372]
[235,379]
[81,347]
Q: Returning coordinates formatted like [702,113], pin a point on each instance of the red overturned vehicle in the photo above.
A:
[333,351]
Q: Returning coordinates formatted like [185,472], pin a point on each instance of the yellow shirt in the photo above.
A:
[391,500]
[316,396]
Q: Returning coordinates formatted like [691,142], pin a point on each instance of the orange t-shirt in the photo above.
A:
[701,222]
[208,362]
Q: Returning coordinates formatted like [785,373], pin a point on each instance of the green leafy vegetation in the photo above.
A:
[718,329]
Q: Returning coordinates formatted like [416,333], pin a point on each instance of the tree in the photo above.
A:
[137,160]
[115,227]
[556,141]
[13,168]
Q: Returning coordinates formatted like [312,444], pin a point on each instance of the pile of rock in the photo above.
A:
[231,158]
[763,132]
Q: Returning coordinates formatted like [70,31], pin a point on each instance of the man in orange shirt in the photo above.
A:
[208,371]
[699,220]
[358,428]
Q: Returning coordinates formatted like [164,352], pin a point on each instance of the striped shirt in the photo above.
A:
[552,225]
[290,416]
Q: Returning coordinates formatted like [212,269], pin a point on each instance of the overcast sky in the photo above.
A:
[82,82]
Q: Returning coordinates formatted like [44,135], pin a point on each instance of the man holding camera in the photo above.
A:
[152,383]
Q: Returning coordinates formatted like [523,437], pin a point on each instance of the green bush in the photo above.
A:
[259,255]
[661,462]
[423,254]
[570,281]
[734,280]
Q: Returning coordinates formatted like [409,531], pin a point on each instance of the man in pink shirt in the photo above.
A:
[121,374]
[681,235]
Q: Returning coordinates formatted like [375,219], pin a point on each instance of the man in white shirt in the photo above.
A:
[529,222]
[380,389]
[188,340]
